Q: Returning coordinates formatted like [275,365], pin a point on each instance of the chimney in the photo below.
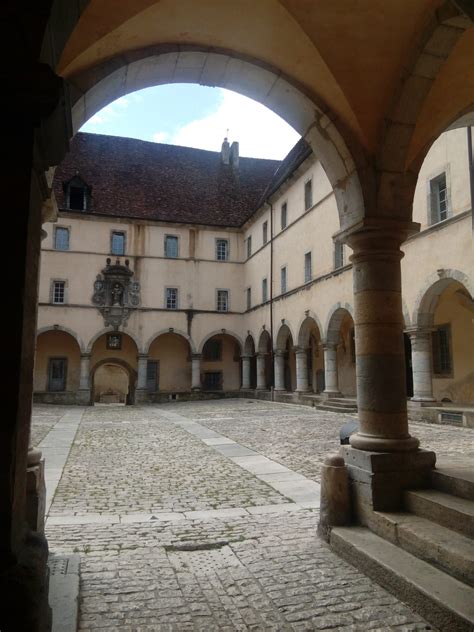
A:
[225,152]
[234,155]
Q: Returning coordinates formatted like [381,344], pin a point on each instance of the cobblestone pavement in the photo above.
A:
[43,418]
[265,570]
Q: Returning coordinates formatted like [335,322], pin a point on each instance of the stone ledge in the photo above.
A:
[64,591]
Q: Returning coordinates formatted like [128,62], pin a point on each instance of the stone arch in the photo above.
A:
[132,376]
[304,330]
[169,330]
[264,342]
[249,346]
[250,77]
[107,330]
[221,332]
[66,330]
[284,333]
[435,285]
[334,320]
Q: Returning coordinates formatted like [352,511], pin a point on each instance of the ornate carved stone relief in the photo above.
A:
[116,293]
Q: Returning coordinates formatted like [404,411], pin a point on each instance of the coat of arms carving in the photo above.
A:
[116,293]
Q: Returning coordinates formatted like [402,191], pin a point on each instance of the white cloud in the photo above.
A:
[160,137]
[260,132]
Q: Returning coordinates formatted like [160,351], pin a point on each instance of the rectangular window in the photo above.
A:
[222,300]
[59,292]
[57,374]
[284,215]
[438,199]
[212,351]
[264,290]
[308,269]
[442,354]
[213,381]
[171,246]
[338,255]
[118,243]
[77,198]
[283,280]
[152,375]
[61,238]
[222,249]
[249,297]
[265,232]
[171,298]
[308,195]
[249,246]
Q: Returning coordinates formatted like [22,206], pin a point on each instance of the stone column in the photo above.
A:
[380,352]
[301,370]
[196,372]
[141,391]
[331,385]
[279,364]
[422,365]
[245,372]
[261,373]
[84,393]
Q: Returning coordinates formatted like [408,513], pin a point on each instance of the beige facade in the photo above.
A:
[284,281]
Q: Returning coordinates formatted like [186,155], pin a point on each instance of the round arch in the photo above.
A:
[284,333]
[132,376]
[107,330]
[333,324]
[304,330]
[249,345]
[264,342]
[435,285]
[176,332]
[221,332]
[66,330]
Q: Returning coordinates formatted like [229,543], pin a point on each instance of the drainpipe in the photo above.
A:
[471,169]
[272,387]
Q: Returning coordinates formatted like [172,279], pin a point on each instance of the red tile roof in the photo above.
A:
[146,180]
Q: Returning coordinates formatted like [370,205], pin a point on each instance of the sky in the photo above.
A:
[196,116]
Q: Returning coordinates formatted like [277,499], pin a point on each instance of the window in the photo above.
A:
[283,280]
[171,298]
[152,375]
[77,198]
[249,246]
[213,381]
[249,297]
[114,341]
[308,195]
[222,300]
[222,249]
[59,292]
[308,270]
[265,232]
[442,356]
[212,351]
[338,255]
[61,238]
[438,199]
[171,246]
[57,374]
[284,215]
[264,290]
[117,246]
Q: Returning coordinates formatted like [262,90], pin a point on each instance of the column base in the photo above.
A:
[330,394]
[195,389]
[372,443]
[83,396]
[141,396]
[35,496]
[422,401]
[378,479]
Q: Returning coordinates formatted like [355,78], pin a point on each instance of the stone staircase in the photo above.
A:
[337,405]
[424,554]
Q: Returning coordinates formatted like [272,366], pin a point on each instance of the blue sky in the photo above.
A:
[196,116]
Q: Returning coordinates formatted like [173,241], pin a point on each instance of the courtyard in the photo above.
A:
[203,516]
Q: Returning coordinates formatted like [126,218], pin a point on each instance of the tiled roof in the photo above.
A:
[146,180]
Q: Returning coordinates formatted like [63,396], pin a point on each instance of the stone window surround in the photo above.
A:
[284,286]
[264,290]
[221,289]
[248,297]
[308,277]
[62,227]
[48,384]
[171,287]
[118,232]
[227,249]
[51,291]
[265,232]
[446,170]
[309,189]
[284,214]
[178,246]
[447,374]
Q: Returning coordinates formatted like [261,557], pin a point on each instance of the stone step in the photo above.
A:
[336,409]
[458,481]
[447,510]
[441,599]
[448,550]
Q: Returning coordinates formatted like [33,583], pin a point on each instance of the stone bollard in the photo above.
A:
[335,499]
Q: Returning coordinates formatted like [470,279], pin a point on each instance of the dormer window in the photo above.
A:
[76,194]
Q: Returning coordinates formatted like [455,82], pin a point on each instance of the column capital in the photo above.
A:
[86,355]
[415,332]
[378,233]
[143,356]
[298,350]
[279,353]
[196,356]
[329,346]
[261,354]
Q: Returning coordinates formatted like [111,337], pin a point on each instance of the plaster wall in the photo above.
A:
[173,353]
[229,364]
[56,344]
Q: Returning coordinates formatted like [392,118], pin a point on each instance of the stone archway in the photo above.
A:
[249,364]
[109,390]
[310,356]
[57,366]
[340,351]
[285,360]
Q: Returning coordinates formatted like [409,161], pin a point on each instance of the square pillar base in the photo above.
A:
[35,497]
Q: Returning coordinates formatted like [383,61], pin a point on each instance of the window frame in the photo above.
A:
[222,311]
[284,206]
[265,232]
[156,383]
[57,230]
[264,290]
[249,246]
[227,252]
[308,278]
[52,292]
[63,359]
[338,248]
[248,297]
[309,182]
[171,287]
[434,205]
[220,378]
[165,253]
[438,371]
[284,270]
[113,233]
